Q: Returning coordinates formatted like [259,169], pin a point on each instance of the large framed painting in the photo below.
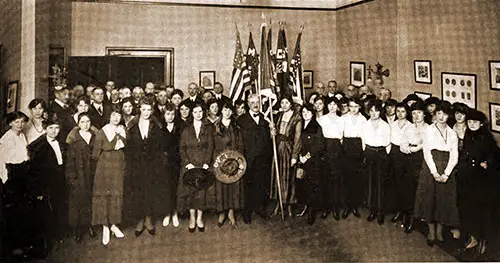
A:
[459,87]
[358,70]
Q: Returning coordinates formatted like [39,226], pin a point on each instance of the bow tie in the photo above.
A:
[255,115]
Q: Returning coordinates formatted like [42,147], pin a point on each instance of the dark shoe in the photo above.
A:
[311,217]
[247,218]
[430,242]
[409,227]
[397,217]
[220,224]
[191,230]
[336,214]
[92,233]
[325,214]
[355,212]
[380,218]
[78,238]
[263,214]
[152,231]
[201,229]
[346,213]
[371,217]
[138,233]
[303,212]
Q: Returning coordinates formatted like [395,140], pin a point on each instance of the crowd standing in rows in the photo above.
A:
[96,156]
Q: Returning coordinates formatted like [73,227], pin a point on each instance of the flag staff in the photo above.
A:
[275,159]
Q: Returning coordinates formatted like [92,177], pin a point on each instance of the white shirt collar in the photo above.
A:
[62,104]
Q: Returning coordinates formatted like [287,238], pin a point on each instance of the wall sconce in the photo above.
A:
[379,73]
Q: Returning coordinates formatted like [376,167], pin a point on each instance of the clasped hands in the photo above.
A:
[303,159]
[442,178]
[191,166]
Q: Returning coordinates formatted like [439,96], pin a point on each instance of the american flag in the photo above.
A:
[240,78]
[295,74]
[252,61]
[266,88]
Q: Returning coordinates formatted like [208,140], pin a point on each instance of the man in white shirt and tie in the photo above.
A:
[110,85]
[219,97]
[59,106]
[193,98]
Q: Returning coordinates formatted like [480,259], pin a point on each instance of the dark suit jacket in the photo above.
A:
[46,176]
[97,119]
[313,143]
[65,118]
[197,151]
[256,137]
[191,104]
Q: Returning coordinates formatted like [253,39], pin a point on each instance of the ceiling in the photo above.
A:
[273,4]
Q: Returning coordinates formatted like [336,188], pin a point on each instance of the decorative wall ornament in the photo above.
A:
[459,87]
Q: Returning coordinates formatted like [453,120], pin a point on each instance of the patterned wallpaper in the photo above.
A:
[456,35]
[203,37]
[10,38]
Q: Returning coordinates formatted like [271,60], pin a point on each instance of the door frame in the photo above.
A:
[149,52]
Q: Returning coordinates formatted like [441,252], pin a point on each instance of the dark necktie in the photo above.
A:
[99,110]
[255,115]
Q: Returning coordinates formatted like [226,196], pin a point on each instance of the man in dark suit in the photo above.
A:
[59,107]
[193,96]
[219,97]
[110,86]
[99,111]
[47,184]
[161,102]
[258,153]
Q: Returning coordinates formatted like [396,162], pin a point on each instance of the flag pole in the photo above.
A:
[275,159]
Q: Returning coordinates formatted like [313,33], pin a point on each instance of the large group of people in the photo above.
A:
[100,155]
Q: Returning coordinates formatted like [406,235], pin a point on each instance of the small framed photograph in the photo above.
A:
[495,117]
[308,79]
[423,71]
[459,87]
[358,73]
[12,96]
[207,79]
[494,74]
[423,95]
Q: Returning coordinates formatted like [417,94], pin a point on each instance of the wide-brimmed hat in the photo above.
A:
[229,166]
[198,178]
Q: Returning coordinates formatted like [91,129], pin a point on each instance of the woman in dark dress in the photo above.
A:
[196,148]
[80,170]
[145,170]
[289,127]
[477,172]
[436,192]
[172,134]
[311,162]
[229,197]
[107,194]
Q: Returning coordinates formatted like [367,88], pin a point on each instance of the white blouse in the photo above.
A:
[333,126]
[413,136]
[448,142]
[353,125]
[398,131]
[379,137]
[13,149]
[143,128]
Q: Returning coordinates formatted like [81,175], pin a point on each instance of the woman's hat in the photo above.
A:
[229,166]
[198,178]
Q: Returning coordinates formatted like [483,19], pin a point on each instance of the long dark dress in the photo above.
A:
[147,177]
[313,143]
[80,170]
[228,196]
[173,163]
[478,189]
[288,147]
[196,151]
[107,196]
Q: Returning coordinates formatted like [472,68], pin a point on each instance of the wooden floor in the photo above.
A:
[275,240]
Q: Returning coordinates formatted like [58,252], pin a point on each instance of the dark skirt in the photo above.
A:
[404,177]
[377,167]
[189,197]
[229,196]
[286,173]
[332,174]
[354,184]
[436,202]
[107,196]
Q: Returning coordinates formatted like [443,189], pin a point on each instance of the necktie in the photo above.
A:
[255,115]
[99,110]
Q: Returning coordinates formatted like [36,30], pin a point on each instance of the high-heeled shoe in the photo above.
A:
[221,223]
[409,227]
[200,225]
[137,233]
[303,212]
[355,212]
[152,231]
[191,230]
[166,221]
[398,216]
[371,217]
[105,235]
[175,220]
[430,242]
[346,213]
[117,232]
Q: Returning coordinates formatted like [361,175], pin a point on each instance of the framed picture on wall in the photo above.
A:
[207,79]
[12,96]
[459,87]
[423,71]
[494,74]
[308,79]
[423,95]
[495,117]
[358,73]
